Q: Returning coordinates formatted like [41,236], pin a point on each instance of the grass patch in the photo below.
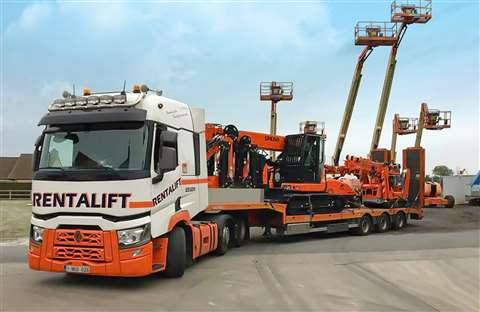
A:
[14,219]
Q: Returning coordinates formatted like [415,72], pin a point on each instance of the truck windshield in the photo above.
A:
[119,149]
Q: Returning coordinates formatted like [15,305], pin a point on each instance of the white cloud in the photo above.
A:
[32,16]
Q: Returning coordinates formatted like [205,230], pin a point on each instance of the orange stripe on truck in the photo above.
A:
[141,204]
[193,181]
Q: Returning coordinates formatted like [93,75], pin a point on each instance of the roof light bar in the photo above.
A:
[90,102]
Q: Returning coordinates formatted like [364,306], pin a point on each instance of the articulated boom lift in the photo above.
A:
[370,35]
[430,119]
[404,13]
[401,126]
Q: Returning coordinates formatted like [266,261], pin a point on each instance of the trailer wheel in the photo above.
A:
[364,226]
[242,232]
[383,223]
[225,233]
[176,253]
[400,220]
[450,201]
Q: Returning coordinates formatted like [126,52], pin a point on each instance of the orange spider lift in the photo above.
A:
[404,13]
[382,184]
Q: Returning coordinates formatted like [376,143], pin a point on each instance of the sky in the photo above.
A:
[213,54]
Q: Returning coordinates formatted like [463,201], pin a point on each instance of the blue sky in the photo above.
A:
[214,54]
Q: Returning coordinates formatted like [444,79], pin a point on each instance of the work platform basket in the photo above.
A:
[375,34]
[409,12]
[276,91]
[436,119]
[405,125]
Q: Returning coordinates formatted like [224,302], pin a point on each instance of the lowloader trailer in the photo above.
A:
[133,183]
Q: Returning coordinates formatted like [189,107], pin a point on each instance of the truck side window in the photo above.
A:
[156,148]
[164,139]
[196,149]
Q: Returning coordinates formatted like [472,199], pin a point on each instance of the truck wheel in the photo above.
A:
[176,253]
[450,201]
[400,221]
[242,232]
[225,233]
[383,223]
[364,226]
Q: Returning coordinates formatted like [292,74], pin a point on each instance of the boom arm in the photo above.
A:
[352,96]
[387,87]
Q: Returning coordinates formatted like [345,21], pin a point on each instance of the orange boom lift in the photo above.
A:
[403,13]
[429,119]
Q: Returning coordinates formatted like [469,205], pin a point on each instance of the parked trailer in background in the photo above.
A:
[474,195]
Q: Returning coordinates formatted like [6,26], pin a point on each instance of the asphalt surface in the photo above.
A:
[432,265]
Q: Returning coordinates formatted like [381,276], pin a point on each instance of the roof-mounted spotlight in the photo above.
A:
[66,94]
[144,88]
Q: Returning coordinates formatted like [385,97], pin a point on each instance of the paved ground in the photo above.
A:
[433,265]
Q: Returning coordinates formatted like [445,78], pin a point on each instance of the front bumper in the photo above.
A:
[98,250]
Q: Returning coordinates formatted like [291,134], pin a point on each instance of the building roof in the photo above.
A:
[16,168]
[6,166]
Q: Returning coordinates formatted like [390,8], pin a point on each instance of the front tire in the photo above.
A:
[176,253]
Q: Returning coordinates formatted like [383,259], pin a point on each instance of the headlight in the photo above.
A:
[36,234]
[134,237]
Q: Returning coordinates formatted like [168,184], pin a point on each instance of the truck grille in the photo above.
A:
[79,238]
[77,253]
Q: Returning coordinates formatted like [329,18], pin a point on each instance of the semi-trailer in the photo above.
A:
[133,183]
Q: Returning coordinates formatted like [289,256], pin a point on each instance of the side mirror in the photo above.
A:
[168,159]
[168,138]
[167,154]
[36,153]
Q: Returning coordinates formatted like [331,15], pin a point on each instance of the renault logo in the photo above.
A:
[78,236]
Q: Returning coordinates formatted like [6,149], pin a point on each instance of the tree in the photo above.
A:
[442,171]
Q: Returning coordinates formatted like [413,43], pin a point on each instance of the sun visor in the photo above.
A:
[93,116]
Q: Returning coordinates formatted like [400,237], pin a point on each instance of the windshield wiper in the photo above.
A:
[109,171]
[60,172]
[55,168]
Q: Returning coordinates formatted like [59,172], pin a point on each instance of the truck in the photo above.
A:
[135,183]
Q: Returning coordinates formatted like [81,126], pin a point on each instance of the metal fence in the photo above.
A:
[15,194]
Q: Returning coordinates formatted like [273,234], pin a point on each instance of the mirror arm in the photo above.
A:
[157,178]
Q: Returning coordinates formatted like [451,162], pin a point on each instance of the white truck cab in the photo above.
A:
[108,166]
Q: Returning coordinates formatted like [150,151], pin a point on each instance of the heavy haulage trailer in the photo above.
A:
[133,183]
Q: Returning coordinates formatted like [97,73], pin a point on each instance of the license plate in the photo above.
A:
[77,269]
